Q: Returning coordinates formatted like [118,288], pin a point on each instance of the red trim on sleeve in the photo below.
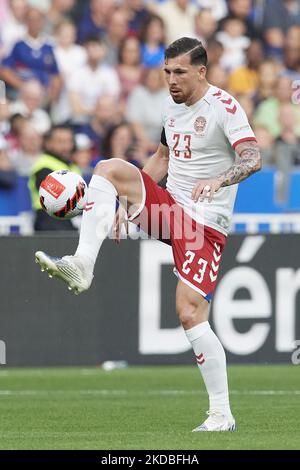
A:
[243,140]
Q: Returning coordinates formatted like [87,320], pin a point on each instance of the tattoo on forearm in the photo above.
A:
[250,162]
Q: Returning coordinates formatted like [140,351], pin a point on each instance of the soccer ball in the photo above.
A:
[63,194]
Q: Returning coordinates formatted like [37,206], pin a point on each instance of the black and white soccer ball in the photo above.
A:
[63,194]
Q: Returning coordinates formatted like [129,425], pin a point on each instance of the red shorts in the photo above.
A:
[197,249]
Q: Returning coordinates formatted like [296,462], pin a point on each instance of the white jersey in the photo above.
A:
[201,140]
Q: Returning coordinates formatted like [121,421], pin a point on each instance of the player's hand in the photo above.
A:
[120,219]
[205,189]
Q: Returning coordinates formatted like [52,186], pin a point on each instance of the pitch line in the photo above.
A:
[142,393]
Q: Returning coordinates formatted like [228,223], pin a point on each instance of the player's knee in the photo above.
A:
[188,313]
[109,170]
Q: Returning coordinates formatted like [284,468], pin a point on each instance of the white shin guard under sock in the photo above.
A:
[97,220]
[211,360]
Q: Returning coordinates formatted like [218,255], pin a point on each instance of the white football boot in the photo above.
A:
[69,269]
[216,421]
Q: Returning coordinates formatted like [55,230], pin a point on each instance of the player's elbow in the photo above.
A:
[258,165]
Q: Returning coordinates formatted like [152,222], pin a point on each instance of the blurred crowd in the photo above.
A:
[95,68]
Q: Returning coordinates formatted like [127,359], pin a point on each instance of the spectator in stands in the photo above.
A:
[205,25]
[234,41]
[90,81]
[70,58]
[242,9]
[29,105]
[78,11]
[115,35]
[288,141]
[59,146]
[12,27]
[4,117]
[8,176]
[218,8]
[216,75]
[130,68]
[292,49]
[4,9]
[152,39]
[267,113]
[120,142]
[59,11]
[145,108]
[178,17]
[95,19]
[292,38]
[268,73]
[26,156]
[247,104]
[136,12]
[279,16]
[33,58]
[287,149]
[107,114]
[82,155]
[16,122]
[265,141]
[245,78]
[215,50]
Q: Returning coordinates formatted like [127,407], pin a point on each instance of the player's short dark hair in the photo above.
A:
[184,45]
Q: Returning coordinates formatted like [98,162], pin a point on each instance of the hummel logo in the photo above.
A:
[213,274]
[216,257]
[214,266]
[171,122]
[231,110]
[200,359]
[217,247]
[229,101]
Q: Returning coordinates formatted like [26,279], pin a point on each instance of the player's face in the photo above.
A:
[183,78]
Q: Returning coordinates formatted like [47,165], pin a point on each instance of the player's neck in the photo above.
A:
[197,94]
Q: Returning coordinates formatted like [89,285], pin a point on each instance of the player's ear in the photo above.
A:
[201,72]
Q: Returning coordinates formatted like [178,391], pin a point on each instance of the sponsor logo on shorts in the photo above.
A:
[52,186]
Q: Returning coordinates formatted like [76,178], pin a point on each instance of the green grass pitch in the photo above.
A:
[145,408]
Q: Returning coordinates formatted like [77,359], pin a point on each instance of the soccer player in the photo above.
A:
[207,147]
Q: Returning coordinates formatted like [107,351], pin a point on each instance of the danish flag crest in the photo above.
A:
[215,264]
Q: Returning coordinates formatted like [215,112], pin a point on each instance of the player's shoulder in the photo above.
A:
[168,105]
[168,102]
[223,102]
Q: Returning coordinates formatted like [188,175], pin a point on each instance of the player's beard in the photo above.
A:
[178,99]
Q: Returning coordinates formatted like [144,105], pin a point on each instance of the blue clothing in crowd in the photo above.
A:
[31,61]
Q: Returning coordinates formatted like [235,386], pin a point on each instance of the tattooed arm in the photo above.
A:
[248,163]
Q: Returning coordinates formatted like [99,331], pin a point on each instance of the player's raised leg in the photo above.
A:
[111,179]
[192,309]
